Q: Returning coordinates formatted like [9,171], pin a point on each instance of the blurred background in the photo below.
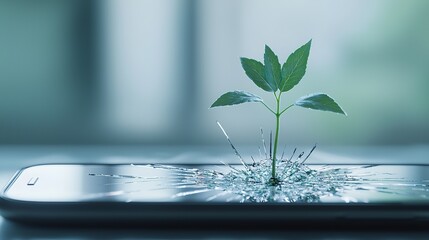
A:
[146,71]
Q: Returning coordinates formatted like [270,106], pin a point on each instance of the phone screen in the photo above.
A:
[210,183]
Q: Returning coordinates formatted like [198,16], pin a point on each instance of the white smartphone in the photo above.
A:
[148,194]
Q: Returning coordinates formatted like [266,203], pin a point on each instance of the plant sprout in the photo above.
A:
[272,77]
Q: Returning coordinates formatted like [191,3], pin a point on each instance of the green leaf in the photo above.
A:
[319,101]
[235,97]
[272,69]
[255,71]
[294,68]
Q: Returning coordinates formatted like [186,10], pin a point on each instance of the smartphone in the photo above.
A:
[128,194]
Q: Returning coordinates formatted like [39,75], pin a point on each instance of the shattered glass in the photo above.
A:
[299,182]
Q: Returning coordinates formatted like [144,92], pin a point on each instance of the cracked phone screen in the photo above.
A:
[303,183]
[223,183]
[243,182]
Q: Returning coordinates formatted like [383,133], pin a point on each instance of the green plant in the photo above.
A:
[277,79]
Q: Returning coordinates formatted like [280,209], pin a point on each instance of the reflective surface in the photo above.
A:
[162,183]
[16,157]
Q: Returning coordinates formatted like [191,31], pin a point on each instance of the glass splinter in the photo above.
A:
[311,151]
[271,144]
[232,146]
[283,153]
[263,143]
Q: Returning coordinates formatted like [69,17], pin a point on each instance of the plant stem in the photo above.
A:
[274,180]
[287,108]
[268,108]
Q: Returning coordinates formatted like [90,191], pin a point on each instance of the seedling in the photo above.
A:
[272,77]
